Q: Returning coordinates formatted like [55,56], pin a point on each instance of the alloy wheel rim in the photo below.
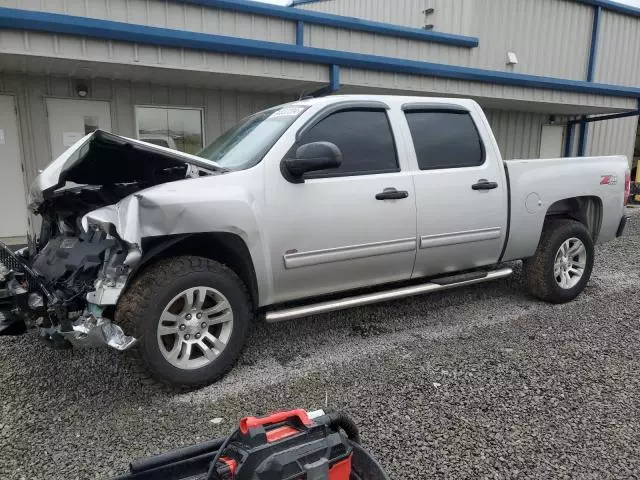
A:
[195,327]
[569,264]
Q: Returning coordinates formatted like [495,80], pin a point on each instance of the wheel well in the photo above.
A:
[226,248]
[586,210]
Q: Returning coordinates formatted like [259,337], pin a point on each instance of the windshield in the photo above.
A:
[249,141]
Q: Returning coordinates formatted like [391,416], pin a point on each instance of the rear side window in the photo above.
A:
[445,139]
[363,136]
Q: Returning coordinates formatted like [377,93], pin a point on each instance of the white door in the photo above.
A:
[342,229]
[551,141]
[460,192]
[70,120]
[13,214]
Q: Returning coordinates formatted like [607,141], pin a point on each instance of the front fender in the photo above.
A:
[229,203]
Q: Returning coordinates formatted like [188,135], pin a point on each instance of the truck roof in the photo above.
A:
[391,100]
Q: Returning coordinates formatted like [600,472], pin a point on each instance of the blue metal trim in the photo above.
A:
[568,146]
[582,141]
[300,33]
[595,30]
[606,4]
[613,6]
[295,3]
[334,75]
[584,128]
[334,83]
[71,25]
[338,21]
[602,118]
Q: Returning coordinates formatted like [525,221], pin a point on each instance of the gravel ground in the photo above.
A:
[481,382]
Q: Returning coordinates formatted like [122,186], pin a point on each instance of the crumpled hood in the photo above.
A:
[214,203]
[102,158]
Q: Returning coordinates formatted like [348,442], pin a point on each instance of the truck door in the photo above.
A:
[343,228]
[461,195]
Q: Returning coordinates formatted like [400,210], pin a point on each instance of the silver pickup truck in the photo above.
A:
[305,208]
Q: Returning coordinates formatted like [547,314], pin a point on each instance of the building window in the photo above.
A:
[176,128]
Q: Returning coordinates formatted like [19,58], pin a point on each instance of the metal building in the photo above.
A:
[180,72]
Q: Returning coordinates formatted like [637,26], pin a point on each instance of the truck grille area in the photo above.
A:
[7,258]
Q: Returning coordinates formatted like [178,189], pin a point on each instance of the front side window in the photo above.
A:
[175,128]
[249,141]
[445,139]
[363,136]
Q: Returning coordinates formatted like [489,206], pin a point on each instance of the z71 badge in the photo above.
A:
[608,180]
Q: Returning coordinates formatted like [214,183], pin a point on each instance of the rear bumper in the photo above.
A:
[622,226]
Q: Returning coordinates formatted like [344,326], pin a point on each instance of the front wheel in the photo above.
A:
[191,316]
[562,264]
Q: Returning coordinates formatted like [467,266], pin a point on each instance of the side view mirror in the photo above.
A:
[311,157]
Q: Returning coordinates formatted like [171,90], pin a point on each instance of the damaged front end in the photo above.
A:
[68,282]
[50,290]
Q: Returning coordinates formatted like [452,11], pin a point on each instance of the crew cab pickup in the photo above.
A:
[305,208]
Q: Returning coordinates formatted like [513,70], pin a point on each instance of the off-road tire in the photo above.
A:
[539,277]
[141,305]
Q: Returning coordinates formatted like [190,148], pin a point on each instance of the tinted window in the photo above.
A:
[363,136]
[445,139]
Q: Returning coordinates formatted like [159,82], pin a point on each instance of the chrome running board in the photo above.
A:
[383,296]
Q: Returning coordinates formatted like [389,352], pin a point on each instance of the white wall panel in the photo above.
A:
[519,133]
[222,109]
[167,14]
[550,37]
[612,137]
[618,53]
[95,50]
[353,79]
[452,16]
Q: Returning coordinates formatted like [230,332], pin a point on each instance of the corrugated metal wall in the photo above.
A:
[161,13]
[612,137]
[254,70]
[556,101]
[550,37]
[543,33]
[49,45]
[618,54]
[452,16]
[517,133]
[222,109]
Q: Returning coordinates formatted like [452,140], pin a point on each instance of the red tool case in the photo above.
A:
[284,446]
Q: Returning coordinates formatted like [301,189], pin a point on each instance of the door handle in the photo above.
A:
[484,184]
[392,194]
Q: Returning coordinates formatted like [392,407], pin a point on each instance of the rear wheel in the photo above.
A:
[562,264]
[191,316]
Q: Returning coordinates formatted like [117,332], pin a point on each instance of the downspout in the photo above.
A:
[334,72]
[300,33]
[334,83]
[591,69]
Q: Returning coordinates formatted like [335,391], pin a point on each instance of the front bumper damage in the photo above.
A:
[53,291]
[91,200]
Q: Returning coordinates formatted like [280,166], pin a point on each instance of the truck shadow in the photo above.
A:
[78,374]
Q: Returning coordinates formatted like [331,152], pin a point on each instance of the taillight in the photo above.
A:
[627,186]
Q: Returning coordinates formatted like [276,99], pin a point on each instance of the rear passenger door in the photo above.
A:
[341,229]
[460,192]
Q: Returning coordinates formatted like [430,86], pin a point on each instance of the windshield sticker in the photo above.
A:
[287,112]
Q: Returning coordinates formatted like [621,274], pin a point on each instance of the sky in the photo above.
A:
[635,3]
